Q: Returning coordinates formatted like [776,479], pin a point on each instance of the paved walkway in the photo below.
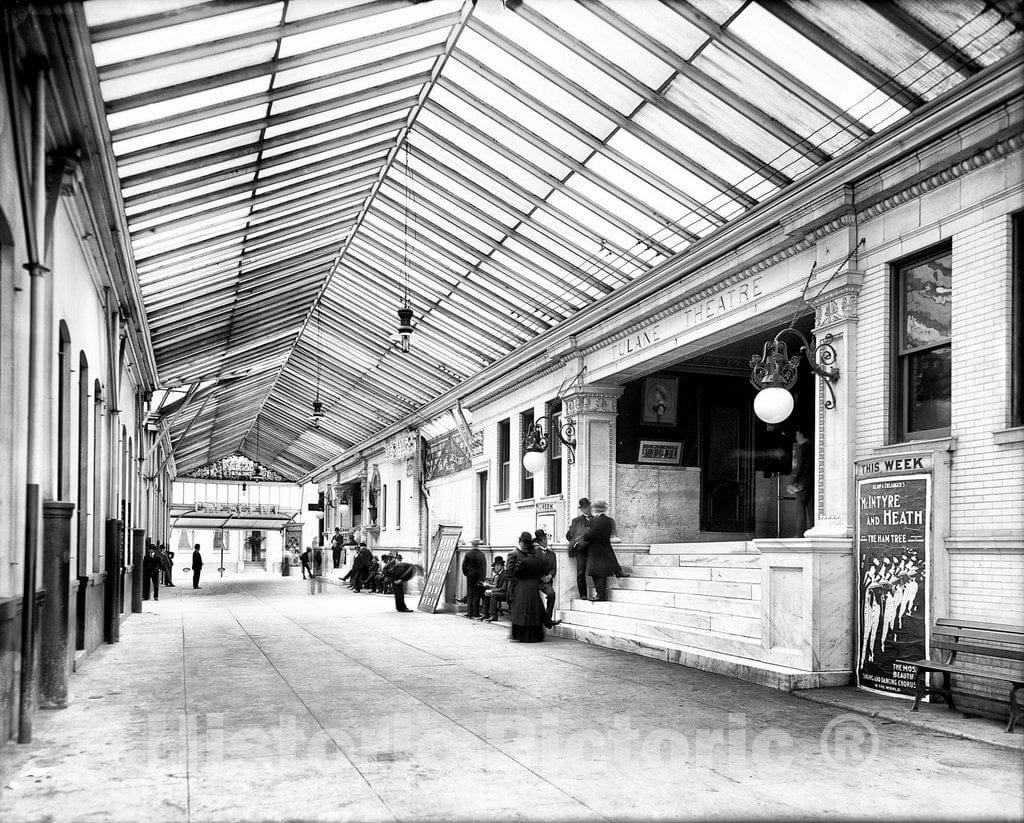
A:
[254,699]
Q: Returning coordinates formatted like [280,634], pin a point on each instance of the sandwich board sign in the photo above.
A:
[445,543]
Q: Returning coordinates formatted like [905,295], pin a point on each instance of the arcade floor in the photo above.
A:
[262,699]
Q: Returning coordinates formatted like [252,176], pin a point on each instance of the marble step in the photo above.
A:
[661,561]
[700,638]
[739,626]
[693,602]
[718,547]
[660,578]
[738,666]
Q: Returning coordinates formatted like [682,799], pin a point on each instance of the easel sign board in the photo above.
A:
[444,550]
[893,571]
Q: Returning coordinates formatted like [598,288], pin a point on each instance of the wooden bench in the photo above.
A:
[989,640]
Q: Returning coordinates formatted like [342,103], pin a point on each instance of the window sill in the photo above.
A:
[503,507]
[947,444]
[529,503]
[1009,437]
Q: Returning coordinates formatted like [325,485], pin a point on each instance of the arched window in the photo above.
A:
[83,465]
[64,413]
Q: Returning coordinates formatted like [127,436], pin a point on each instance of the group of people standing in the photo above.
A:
[525,579]
[158,564]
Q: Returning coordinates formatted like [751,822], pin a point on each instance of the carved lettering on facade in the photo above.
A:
[723,302]
[636,342]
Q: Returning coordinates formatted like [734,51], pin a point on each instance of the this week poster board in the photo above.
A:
[893,570]
[441,560]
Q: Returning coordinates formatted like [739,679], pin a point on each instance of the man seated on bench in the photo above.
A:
[495,591]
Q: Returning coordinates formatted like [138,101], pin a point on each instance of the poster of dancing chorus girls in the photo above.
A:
[893,516]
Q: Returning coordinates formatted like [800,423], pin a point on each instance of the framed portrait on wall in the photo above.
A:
[663,452]
[660,400]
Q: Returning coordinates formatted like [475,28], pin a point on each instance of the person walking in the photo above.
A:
[577,549]
[168,567]
[151,571]
[601,560]
[304,560]
[474,567]
[197,567]
[401,573]
[547,588]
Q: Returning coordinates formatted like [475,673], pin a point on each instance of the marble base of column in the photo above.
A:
[54,630]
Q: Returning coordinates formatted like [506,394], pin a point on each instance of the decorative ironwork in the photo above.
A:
[237,467]
[774,368]
[536,439]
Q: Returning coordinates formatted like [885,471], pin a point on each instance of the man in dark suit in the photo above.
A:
[601,560]
[577,549]
[474,567]
[197,567]
[401,573]
[151,569]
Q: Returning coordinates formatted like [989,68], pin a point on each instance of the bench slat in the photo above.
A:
[980,651]
[973,624]
[978,634]
[989,674]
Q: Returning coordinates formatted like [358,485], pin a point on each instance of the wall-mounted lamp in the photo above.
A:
[774,373]
[535,443]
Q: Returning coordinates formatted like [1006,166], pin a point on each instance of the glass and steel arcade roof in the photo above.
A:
[293,171]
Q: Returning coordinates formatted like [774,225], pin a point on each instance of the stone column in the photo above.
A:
[593,409]
[138,550]
[835,428]
[55,629]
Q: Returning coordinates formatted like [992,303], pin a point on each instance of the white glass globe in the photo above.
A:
[773,405]
[534,462]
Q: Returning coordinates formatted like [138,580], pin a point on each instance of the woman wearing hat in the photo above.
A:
[601,560]
[527,612]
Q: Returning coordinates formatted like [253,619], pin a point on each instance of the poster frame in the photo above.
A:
[857,606]
[436,576]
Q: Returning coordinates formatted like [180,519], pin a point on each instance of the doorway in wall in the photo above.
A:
[727,465]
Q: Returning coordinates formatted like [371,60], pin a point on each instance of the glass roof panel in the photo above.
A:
[718,10]
[603,38]
[299,123]
[366,26]
[561,60]
[462,81]
[590,219]
[534,82]
[192,33]
[200,68]
[104,12]
[189,130]
[243,164]
[285,145]
[402,76]
[661,23]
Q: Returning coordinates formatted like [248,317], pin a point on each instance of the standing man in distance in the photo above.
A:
[336,543]
[197,566]
[547,587]
[474,567]
[578,549]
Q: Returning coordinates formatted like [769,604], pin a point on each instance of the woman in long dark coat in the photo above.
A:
[527,608]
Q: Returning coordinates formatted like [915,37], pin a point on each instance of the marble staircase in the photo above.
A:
[696,604]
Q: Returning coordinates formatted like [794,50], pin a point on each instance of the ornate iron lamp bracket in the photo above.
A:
[536,439]
[774,368]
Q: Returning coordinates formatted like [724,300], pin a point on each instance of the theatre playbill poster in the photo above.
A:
[893,516]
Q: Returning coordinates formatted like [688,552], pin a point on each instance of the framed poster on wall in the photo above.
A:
[660,403]
[893,570]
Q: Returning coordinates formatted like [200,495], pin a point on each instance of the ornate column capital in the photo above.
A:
[593,399]
[837,303]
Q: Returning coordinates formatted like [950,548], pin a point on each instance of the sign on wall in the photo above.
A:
[893,557]
[443,551]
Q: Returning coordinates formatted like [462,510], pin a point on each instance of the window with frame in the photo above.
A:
[923,353]
[398,504]
[504,456]
[384,506]
[525,478]
[554,474]
[1017,323]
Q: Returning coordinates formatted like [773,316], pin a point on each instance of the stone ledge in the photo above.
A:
[1009,437]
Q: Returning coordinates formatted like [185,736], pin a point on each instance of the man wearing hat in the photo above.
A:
[474,566]
[578,549]
[601,560]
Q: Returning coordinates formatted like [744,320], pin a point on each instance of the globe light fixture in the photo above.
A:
[535,442]
[774,373]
